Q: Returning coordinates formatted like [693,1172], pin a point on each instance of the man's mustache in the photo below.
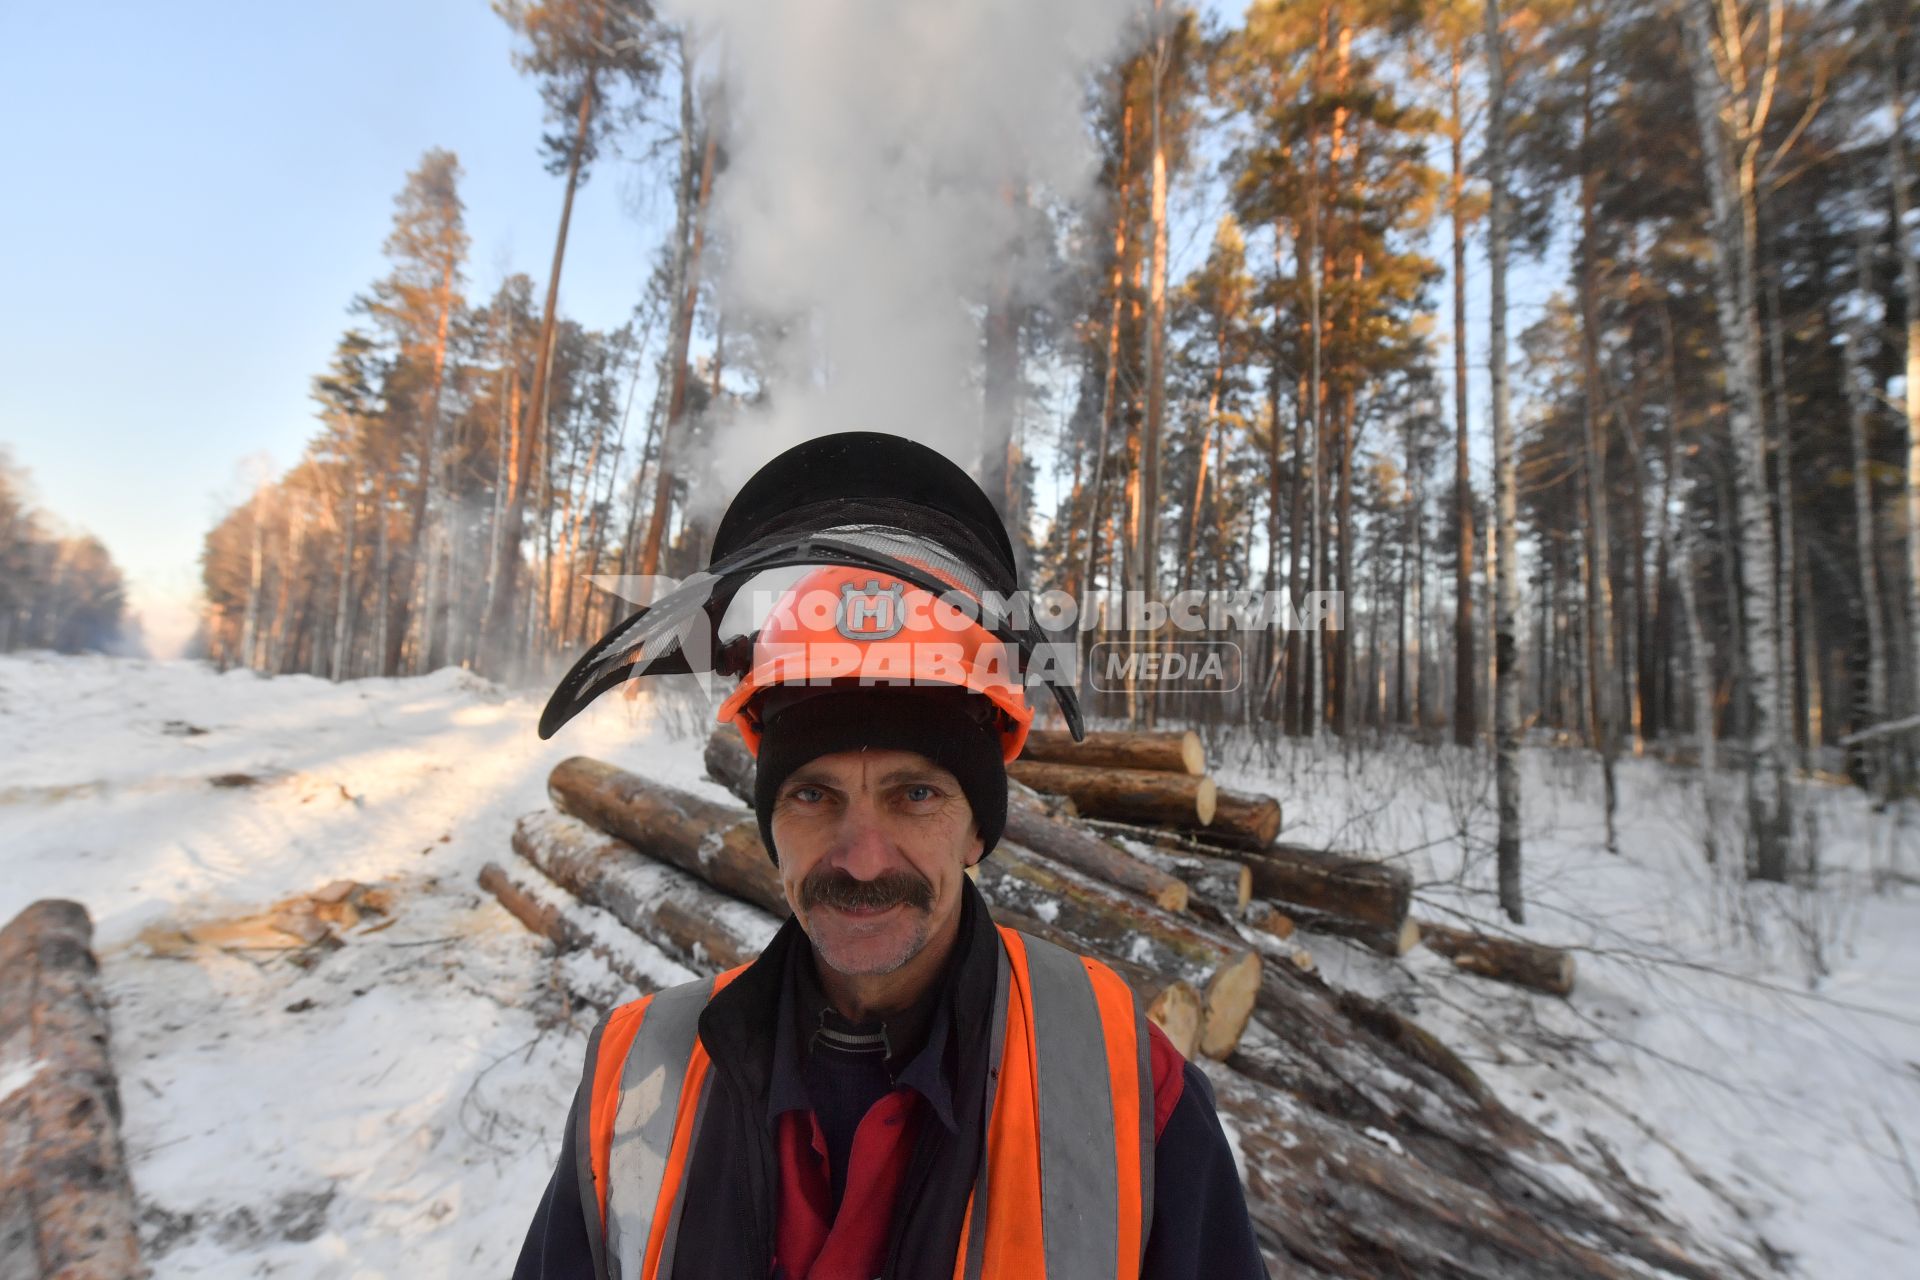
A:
[832,887]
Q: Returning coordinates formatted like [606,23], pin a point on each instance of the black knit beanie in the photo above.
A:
[950,726]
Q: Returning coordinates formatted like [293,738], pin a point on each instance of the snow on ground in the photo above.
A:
[395,1109]
[1749,1052]
[1750,1055]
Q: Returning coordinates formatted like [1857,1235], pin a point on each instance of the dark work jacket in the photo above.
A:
[1200,1226]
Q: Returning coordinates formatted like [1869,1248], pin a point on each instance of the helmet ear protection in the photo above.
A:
[859,501]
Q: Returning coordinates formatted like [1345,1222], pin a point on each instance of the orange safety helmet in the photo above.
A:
[846,625]
[894,519]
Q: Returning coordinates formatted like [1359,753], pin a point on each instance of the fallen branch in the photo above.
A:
[1525,964]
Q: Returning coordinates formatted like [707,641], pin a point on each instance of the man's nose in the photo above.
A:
[864,849]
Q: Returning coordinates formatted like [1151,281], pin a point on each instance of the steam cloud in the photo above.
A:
[873,146]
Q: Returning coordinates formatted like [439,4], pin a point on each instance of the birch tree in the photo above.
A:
[1731,104]
[1506,647]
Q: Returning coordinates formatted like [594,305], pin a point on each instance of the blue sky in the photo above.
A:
[191,194]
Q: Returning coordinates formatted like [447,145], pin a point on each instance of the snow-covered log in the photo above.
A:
[1329,893]
[718,844]
[1177,751]
[1030,825]
[1172,1004]
[1241,820]
[729,763]
[1219,887]
[544,919]
[1126,795]
[1339,1200]
[1515,960]
[675,911]
[66,1205]
[1437,1130]
[1268,919]
[576,928]
[1355,898]
[1103,920]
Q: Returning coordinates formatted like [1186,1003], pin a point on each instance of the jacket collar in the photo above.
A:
[739,1028]
[922,1032]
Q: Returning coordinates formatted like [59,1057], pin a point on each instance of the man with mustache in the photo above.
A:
[897,1087]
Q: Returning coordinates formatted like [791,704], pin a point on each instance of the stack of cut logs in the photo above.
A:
[1367,1146]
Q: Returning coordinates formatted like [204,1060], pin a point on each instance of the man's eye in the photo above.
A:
[805,795]
[920,793]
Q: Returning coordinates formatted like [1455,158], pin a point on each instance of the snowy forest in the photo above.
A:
[58,590]
[1687,520]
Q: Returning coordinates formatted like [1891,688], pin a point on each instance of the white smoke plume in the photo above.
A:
[873,148]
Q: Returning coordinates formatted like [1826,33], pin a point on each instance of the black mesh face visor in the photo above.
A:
[679,634]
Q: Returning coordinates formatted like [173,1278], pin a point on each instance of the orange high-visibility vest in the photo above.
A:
[1065,1188]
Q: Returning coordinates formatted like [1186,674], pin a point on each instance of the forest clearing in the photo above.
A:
[1461,460]
[1748,1063]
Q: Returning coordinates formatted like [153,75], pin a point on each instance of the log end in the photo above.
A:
[1173,896]
[1206,800]
[1561,980]
[1227,1005]
[1192,754]
[1176,1011]
[1267,918]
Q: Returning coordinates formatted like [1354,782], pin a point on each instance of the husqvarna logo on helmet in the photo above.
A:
[871,612]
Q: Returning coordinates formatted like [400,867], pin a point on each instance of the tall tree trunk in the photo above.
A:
[1465,673]
[383,574]
[1273,638]
[1344,670]
[1311,700]
[1416,658]
[504,476]
[1786,576]
[438,542]
[1297,650]
[1154,428]
[696,231]
[1601,685]
[257,562]
[343,602]
[494,635]
[1903,253]
[1865,529]
[1116,283]
[1700,647]
[1730,183]
[1506,637]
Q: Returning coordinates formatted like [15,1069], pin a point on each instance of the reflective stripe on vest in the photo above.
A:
[1067,1184]
[1055,1195]
[647,1090]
